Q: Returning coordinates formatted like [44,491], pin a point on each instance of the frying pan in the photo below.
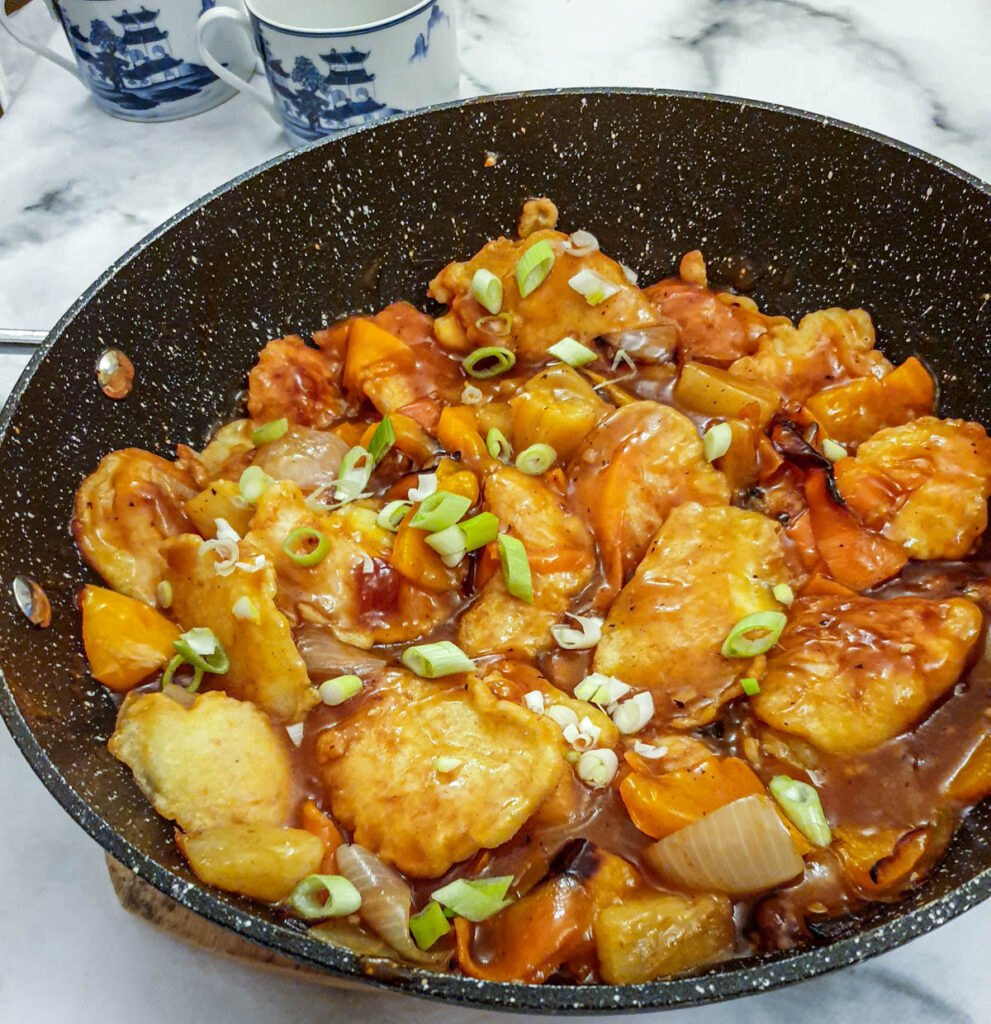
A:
[802,211]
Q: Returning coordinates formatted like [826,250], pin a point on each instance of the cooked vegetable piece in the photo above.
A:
[310,458]
[297,382]
[852,672]
[260,861]
[511,759]
[670,615]
[923,485]
[221,762]
[219,500]
[558,407]
[265,666]
[881,861]
[715,393]
[125,640]
[125,510]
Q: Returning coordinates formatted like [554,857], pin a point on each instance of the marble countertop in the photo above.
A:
[78,188]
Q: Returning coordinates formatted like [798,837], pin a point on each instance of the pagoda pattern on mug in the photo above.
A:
[135,68]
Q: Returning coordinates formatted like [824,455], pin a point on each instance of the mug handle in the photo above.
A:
[42,51]
[244,22]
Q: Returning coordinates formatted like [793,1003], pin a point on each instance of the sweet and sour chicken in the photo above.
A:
[580,633]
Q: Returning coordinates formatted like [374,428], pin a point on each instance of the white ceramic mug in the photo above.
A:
[139,62]
[332,66]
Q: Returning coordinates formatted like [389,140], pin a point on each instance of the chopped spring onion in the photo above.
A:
[562,715]
[163,592]
[487,289]
[431,661]
[501,326]
[573,352]
[536,459]
[601,689]
[783,594]
[339,689]
[382,440]
[597,768]
[833,450]
[429,925]
[534,701]
[426,485]
[588,634]
[496,360]
[306,547]
[253,484]
[802,807]
[515,567]
[470,395]
[498,446]
[393,514]
[475,899]
[449,543]
[592,286]
[572,757]
[479,530]
[581,243]
[534,266]
[245,608]
[201,649]
[750,686]
[649,750]
[440,510]
[324,896]
[225,544]
[582,735]
[354,474]
[295,733]
[767,626]
[716,441]
[446,765]
[269,432]
[171,669]
[633,714]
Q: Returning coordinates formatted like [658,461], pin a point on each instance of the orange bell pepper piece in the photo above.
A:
[879,860]
[411,438]
[818,585]
[125,640]
[455,479]
[853,556]
[314,821]
[972,781]
[457,430]
[799,532]
[660,805]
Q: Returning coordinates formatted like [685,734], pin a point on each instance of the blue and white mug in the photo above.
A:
[142,63]
[332,66]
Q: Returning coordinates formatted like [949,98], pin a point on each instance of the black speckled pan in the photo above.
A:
[816,212]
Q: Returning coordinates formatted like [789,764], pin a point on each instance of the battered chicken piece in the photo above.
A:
[537,320]
[293,380]
[354,589]
[561,555]
[265,666]
[124,512]
[221,762]
[633,469]
[924,485]
[828,347]
[707,569]
[850,673]
[229,451]
[378,769]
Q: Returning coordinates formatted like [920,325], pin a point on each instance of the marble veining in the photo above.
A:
[80,188]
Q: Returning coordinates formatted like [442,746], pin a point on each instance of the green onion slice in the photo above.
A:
[783,594]
[324,896]
[833,450]
[306,547]
[534,266]
[270,431]
[431,661]
[802,807]
[498,445]
[501,325]
[479,530]
[592,286]
[487,289]
[429,925]
[245,608]
[716,441]
[170,671]
[201,649]
[573,352]
[393,514]
[515,567]
[440,510]
[253,484]
[475,899]
[382,440]
[445,765]
[352,477]
[750,686]
[768,627]
[449,543]
[339,689]
[536,459]
[495,360]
